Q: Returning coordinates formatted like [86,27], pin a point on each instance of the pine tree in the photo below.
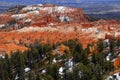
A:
[100,45]
[2,75]
[81,72]
[31,75]
[53,71]
[78,48]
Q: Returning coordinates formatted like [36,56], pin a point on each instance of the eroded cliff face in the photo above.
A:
[51,24]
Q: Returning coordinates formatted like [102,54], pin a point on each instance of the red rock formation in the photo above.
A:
[52,30]
[117,62]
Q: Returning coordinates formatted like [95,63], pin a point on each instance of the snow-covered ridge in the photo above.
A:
[24,15]
[19,16]
[50,9]
[35,10]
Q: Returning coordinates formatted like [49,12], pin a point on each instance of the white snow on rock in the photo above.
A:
[113,60]
[108,57]
[61,70]
[43,71]
[28,20]
[54,60]
[89,29]
[69,64]
[58,9]
[16,77]
[63,9]
[1,56]
[39,4]
[117,77]
[33,12]
[29,8]
[51,24]
[27,69]
[64,18]
[106,40]
[19,16]
[2,25]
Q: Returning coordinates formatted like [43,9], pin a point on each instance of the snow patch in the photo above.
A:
[43,71]
[58,9]
[54,60]
[27,69]
[116,77]
[2,25]
[19,16]
[61,70]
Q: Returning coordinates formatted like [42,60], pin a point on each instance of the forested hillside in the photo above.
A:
[61,61]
